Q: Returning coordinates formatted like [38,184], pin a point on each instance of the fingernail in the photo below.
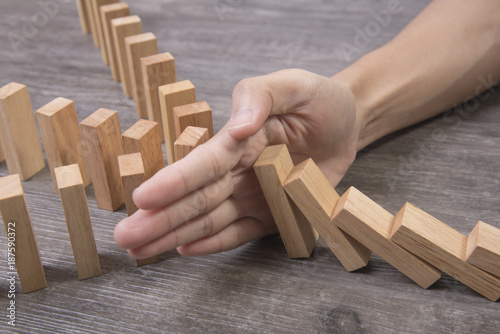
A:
[241,118]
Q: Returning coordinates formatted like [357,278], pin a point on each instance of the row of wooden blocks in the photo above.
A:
[304,204]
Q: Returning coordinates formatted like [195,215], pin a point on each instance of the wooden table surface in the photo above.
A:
[256,288]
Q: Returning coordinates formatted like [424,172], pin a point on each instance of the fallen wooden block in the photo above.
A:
[316,198]
[189,139]
[195,114]
[20,235]
[76,212]
[19,136]
[101,135]
[272,168]
[83,16]
[483,248]
[61,137]
[443,247]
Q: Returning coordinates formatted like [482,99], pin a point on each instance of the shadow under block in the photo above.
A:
[124,27]
[76,212]
[138,46]
[195,114]
[443,247]
[83,15]
[102,139]
[171,96]
[483,248]
[61,137]
[316,198]
[189,139]
[108,13]
[370,224]
[19,136]
[17,224]
[272,168]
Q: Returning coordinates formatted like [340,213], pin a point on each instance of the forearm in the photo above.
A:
[448,53]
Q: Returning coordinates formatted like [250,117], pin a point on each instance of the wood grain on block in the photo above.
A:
[370,224]
[483,248]
[316,198]
[171,96]
[139,46]
[191,137]
[19,136]
[443,247]
[123,27]
[101,136]
[76,212]
[19,231]
[92,21]
[195,114]
[58,123]
[272,168]
[84,16]
[96,7]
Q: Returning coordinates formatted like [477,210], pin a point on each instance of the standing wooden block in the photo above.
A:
[96,8]
[171,96]
[101,136]
[139,46]
[443,247]
[18,132]
[20,232]
[195,114]
[61,137]
[157,70]
[92,21]
[76,211]
[483,248]
[83,15]
[370,224]
[108,13]
[272,169]
[189,139]
[124,27]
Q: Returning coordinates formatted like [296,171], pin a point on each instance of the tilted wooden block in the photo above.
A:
[316,198]
[441,246]
[92,21]
[370,224]
[96,8]
[171,96]
[191,137]
[61,137]
[272,169]
[19,231]
[76,212]
[195,114]
[483,248]
[83,15]
[22,148]
[101,136]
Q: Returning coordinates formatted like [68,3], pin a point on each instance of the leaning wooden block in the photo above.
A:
[189,139]
[272,169]
[20,235]
[316,198]
[483,248]
[19,136]
[101,136]
[61,137]
[76,211]
[443,247]
[83,15]
[195,114]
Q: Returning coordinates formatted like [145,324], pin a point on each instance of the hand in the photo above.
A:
[211,201]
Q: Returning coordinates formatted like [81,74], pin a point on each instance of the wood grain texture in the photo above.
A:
[483,248]
[2,156]
[92,21]
[194,114]
[189,139]
[84,16]
[96,8]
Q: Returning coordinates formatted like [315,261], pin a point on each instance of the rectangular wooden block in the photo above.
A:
[61,137]
[76,211]
[171,96]
[92,21]
[96,8]
[483,248]
[101,136]
[443,247]
[316,198]
[191,137]
[195,114]
[19,136]
[83,15]
[20,232]
[370,224]
[272,168]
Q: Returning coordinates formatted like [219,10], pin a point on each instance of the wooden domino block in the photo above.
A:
[272,169]
[2,156]
[76,212]
[316,198]
[96,8]
[92,21]
[139,46]
[195,114]
[157,70]
[108,13]
[171,96]
[124,27]
[483,248]
[443,247]
[61,137]
[20,232]
[370,224]
[101,136]
[19,136]
[191,137]
[84,16]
